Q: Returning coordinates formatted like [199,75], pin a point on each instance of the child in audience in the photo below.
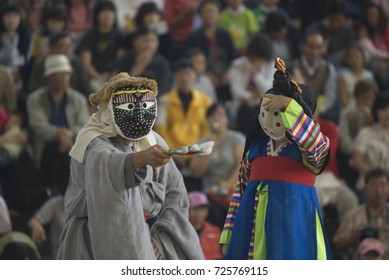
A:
[12,138]
[203,82]
[209,234]
[352,74]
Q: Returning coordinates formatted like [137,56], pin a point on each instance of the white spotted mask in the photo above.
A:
[134,111]
[271,123]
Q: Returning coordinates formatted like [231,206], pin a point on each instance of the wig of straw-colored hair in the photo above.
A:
[101,98]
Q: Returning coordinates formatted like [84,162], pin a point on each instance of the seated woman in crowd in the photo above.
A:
[14,43]
[102,45]
[53,20]
[219,169]
[371,145]
[353,72]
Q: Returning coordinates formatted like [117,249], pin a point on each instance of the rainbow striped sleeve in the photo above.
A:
[244,173]
[306,132]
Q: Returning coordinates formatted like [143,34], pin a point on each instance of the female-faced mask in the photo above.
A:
[271,123]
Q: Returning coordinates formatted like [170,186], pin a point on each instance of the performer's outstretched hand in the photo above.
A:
[275,102]
[154,156]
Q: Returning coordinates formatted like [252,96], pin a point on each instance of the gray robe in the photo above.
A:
[107,199]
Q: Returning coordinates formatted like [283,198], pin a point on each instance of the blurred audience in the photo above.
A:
[79,16]
[262,9]
[284,35]
[53,20]
[240,23]
[371,147]
[52,212]
[219,169]
[371,249]
[180,16]
[149,15]
[100,47]
[14,245]
[251,76]
[367,220]
[337,31]
[331,189]
[5,220]
[217,45]
[209,234]
[14,44]
[7,91]
[352,120]
[373,18]
[62,43]
[349,76]
[181,119]
[56,113]
[319,74]
[144,60]
[203,81]
[12,142]
[12,138]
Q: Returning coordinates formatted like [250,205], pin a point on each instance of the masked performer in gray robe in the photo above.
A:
[121,178]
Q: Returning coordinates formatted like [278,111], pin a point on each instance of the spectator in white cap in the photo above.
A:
[56,113]
[55,64]
[209,234]
[62,43]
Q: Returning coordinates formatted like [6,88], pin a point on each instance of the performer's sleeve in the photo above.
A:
[115,210]
[306,132]
[240,187]
[45,213]
[172,233]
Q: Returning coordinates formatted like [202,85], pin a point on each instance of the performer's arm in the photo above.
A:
[306,133]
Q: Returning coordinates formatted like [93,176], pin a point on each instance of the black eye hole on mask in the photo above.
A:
[276,114]
[126,106]
[147,104]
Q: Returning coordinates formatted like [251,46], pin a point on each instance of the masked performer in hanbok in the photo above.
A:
[274,212]
[125,199]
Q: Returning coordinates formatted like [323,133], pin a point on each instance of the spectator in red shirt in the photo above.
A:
[180,15]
